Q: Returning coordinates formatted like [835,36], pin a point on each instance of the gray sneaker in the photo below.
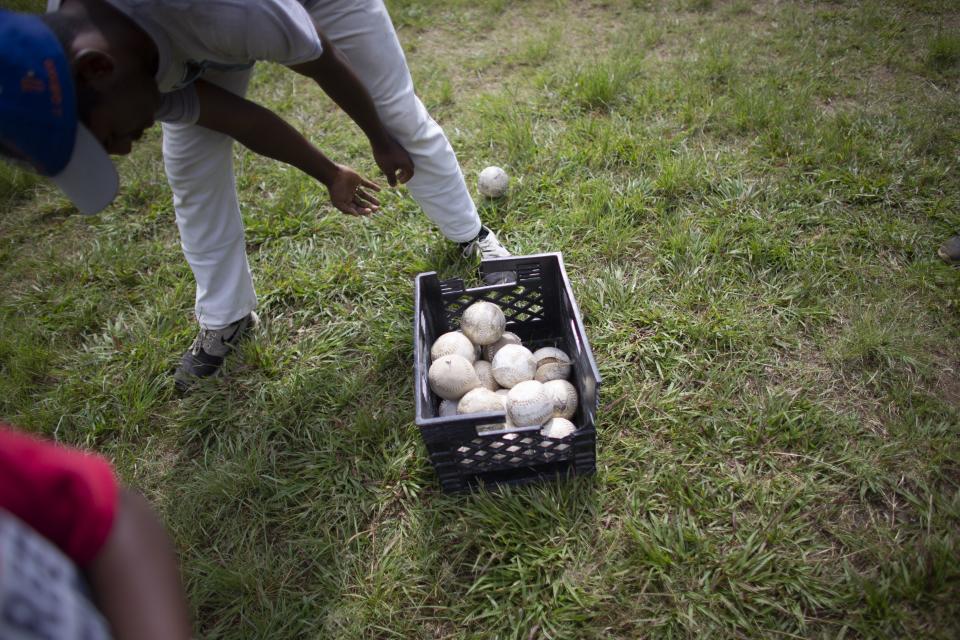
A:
[210,348]
[485,246]
[949,251]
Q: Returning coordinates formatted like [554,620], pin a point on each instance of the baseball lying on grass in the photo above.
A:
[552,364]
[512,364]
[528,404]
[490,350]
[564,398]
[493,182]
[453,343]
[558,428]
[483,323]
[452,376]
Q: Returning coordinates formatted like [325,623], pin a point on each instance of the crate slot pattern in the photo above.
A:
[511,449]
[521,304]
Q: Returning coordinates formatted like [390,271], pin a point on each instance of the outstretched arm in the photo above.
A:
[135,576]
[266,134]
[334,75]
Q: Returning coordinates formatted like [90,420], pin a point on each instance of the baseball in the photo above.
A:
[453,343]
[558,428]
[483,323]
[452,376]
[564,398]
[493,182]
[490,350]
[485,373]
[552,364]
[512,364]
[528,404]
[479,400]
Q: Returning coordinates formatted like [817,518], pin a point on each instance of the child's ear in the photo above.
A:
[94,68]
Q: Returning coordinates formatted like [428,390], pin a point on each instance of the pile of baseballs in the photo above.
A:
[482,368]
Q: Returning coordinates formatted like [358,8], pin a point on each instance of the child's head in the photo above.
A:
[113,73]
[68,96]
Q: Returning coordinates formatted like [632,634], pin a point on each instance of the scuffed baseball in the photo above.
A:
[452,376]
[552,364]
[528,404]
[483,322]
[558,428]
[490,350]
[493,182]
[479,400]
[564,398]
[485,372]
[513,364]
[453,343]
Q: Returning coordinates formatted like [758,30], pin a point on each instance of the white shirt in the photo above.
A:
[192,36]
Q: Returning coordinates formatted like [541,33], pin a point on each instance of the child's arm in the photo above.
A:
[135,576]
[334,75]
[73,500]
[266,134]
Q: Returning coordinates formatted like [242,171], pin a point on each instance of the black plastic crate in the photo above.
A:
[541,310]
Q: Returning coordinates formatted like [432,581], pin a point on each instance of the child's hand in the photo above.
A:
[348,192]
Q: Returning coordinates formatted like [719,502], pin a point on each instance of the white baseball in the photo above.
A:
[558,428]
[453,343]
[513,363]
[493,182]
[564,398]
[479,400]
[452,376]
[485,372]
[448,408]
[552,364]
[490,350]
[528,404]
[483,322]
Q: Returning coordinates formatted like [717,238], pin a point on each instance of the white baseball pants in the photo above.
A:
[199,162]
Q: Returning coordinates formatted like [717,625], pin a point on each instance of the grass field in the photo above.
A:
[748,197]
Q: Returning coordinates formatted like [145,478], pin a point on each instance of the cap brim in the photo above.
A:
[90,180]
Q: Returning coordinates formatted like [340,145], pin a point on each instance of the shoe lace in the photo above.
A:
[197,345]
[490,247]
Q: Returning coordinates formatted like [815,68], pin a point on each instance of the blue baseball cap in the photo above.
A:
[39,123]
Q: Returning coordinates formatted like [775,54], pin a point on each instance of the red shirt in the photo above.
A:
[67,496]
